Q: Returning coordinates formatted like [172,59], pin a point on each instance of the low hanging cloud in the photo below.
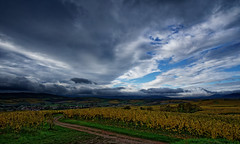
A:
[162,90]
[23,84]
[100,91]
[82,81]
[17,84]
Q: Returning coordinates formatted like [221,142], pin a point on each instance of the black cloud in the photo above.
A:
[162,91]
[16,84]
[82,81]
[23,84]
[11,83]
[99,91]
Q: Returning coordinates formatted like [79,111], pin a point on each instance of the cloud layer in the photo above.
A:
[126,46]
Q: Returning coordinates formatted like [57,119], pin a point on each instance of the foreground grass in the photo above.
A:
[130,132]
[58,135]
[206,141]
[147,134]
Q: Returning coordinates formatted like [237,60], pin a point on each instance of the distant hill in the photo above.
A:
[42,101]
[139,97]
[23,95]
[225,96]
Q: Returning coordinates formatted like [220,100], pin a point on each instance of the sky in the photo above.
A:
[120,47]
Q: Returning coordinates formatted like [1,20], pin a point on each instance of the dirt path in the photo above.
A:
[114,137]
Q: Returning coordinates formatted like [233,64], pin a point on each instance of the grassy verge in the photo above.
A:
[58,135]
[206,141]
[147,134]
[130,132]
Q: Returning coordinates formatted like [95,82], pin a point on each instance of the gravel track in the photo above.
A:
[111,137]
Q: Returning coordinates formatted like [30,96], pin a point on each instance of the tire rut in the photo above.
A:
[117,138]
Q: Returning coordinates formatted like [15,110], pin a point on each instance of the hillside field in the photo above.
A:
[215,121]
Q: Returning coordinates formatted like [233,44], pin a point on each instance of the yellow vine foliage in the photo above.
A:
[23,119]
[198,124]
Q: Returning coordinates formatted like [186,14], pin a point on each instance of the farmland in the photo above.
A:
[199,124]
[119,72]
[217,120]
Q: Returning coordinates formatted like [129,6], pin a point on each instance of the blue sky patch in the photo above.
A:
[166,64]
[146,78]
[233,69]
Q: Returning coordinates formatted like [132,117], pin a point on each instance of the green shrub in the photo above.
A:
[127,107]
[188,108]
[149,108]
[183,107]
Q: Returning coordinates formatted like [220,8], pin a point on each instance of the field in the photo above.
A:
[207,121]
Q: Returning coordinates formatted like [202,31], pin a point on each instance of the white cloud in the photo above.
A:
[191,42]
[198,73]
[144,68]
[42,59]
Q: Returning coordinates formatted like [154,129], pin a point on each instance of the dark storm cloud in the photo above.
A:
[82,81]
[162,91]
[43,43]
[24,84]
[12,83]
[99,91]
[85,34]
[16,84]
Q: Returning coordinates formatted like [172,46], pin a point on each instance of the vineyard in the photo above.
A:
[196,124]
[16,121]
[210,122]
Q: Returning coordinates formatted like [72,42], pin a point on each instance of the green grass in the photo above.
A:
[130,132]
[147,134]
[58,135]
[206,141]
